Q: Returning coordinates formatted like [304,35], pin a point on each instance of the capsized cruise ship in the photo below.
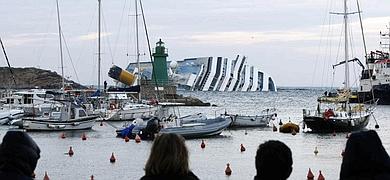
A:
[213,74]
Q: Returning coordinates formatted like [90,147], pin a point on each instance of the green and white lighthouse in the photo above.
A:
[160,73]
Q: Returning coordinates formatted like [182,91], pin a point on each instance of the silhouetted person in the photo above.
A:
[273,161]
[168,159]
[365,158]
[19,156]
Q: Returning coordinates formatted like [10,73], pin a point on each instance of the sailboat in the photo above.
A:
[70,116]
[118,106]
[334,112]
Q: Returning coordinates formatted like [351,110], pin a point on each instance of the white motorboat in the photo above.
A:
[70,117]
[259,120]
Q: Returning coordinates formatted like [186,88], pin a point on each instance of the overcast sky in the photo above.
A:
[289,40]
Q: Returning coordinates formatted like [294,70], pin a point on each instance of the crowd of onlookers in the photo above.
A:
[364,158]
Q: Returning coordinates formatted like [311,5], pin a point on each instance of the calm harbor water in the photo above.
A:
[92,156]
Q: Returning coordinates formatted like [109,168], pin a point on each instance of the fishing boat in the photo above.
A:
[334,112]
[70,117]
[259,120]
[190,128]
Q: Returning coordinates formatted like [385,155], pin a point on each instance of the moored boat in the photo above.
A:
[259,120]
[70,117]
[335,112]
[195,128]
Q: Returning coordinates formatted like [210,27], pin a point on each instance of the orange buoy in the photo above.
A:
[63,135]
[320,176]
[112,158]
[137,139]
[46,177]
[127,139]
[316,151]
[310,175]
[70,152]
[242,149]
[274,128]
[92,177]
[228,170]
[83,137]
[202,145]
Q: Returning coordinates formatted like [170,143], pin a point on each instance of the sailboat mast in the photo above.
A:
[99,59]
[346,45]
[61,55]
[137,49]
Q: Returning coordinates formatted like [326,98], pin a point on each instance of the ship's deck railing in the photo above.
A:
[308,112]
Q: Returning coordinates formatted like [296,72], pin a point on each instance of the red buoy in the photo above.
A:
[83,137]
[310,175]
[137,139]
[70,152]
[320,176]
[202,145]
[127,139]
[46,177]
[242,148]
[228,170]
[92,177]
[112,158]
[63,136]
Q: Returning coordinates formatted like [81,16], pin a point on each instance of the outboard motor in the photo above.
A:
[152,127]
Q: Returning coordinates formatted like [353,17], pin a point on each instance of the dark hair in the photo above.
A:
[365,157]
[168,156]
[18,153]
[273,161]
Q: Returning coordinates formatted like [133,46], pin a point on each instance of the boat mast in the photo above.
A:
[346,45]
[61,56]
[137,47]
[99,59]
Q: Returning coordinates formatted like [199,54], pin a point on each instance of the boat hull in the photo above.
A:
[199,130]
[129,114]
[251,121]
[45,124]
[195,129]
[381,92]
[322,125]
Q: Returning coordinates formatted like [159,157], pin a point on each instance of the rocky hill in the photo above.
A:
[31,77]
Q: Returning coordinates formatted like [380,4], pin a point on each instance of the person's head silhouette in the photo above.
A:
[273,161]
[19,155]
[365,157]
[168,159]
